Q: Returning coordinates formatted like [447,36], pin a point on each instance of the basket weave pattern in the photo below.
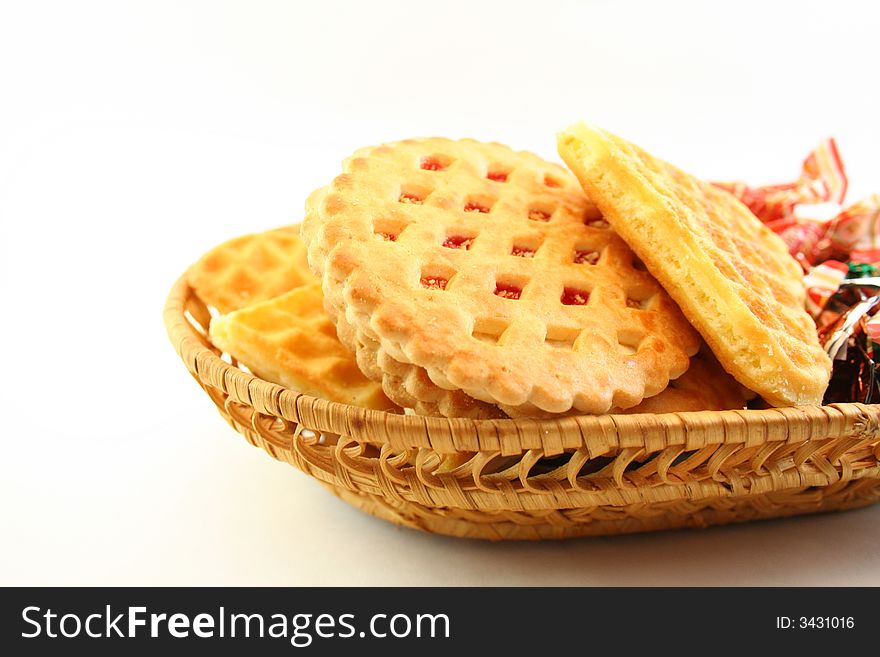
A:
[530,479]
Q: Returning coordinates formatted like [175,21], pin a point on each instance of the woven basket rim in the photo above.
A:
[691,429]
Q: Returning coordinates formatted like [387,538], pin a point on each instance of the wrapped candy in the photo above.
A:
[848,340]
[856,230]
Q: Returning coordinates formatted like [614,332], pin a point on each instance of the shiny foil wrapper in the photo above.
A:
[848,330]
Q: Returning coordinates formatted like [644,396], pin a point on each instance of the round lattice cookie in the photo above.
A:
[704,387]
[491,270]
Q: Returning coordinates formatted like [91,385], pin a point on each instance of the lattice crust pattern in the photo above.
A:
[732,276]
[526,479]
[491,270]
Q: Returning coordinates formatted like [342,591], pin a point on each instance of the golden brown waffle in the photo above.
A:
[290,341]
[251,268]
[731,275]
[490,269]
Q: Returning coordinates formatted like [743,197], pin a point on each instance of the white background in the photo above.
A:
[134,136]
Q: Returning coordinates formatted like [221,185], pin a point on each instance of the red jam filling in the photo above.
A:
[475,207]
[432,164]
[574,297]
[458,242]
[434,282]
[506,291]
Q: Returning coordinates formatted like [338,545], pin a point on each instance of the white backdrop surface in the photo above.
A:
[134,136]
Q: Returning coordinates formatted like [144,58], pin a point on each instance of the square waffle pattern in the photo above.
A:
[490,269]
[731,275]
[290,341]
[251,268]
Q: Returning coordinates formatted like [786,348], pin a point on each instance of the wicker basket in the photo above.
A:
[529,479]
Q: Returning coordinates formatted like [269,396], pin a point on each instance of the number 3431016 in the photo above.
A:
[815,622]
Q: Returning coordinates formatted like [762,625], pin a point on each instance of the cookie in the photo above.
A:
[491,270]
[731,275]
[290,341]
[251,268]
[704,387]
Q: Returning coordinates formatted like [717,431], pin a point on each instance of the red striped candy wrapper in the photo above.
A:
[856,230]
[822,282]
[822,179]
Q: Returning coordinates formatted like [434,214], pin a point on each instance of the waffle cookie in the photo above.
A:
[251,268]
[290,341]
[490,269]
[732,276]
